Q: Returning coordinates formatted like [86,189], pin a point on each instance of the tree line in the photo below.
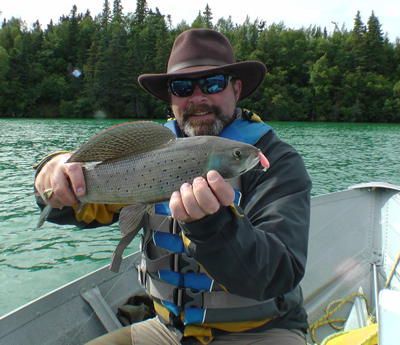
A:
[85,65]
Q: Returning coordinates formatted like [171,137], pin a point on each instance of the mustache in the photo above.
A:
[201,108]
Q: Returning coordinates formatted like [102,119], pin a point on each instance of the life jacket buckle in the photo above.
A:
[192,265]
[184,263]
[187,298]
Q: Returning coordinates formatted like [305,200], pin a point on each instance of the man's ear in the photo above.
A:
[237,87]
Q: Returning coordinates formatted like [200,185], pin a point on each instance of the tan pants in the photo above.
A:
[153,332]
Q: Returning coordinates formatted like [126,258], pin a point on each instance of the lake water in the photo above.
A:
[36,261]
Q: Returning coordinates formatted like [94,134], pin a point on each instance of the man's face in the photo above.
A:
[206,114]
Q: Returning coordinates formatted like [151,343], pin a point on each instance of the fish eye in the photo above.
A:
[237,153]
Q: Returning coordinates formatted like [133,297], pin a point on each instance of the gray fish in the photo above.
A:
[143,163]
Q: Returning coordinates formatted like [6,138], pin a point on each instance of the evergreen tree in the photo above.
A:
[4,87]
[106,14]
[117,15]
[141,11]
[207,18]
[358,42]
[72,33]
[226,27]
[375,58]
[312,74]
[198,23]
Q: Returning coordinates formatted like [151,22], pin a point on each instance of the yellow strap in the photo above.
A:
[254,117]
[235,211]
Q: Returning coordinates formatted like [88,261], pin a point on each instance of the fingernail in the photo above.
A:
[186,186]
[175,194]
[80,192]
[212,176]
[198,180]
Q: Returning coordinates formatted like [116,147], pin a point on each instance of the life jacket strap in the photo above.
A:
[187,298]
[168,260]
[116,258]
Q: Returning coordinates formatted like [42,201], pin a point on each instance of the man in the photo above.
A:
[238,272]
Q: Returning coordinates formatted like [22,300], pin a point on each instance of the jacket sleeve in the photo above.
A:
[91,216]
[262,255]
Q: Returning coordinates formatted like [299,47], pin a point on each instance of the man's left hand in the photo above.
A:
[202,198]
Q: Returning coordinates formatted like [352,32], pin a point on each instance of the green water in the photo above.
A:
[36,261]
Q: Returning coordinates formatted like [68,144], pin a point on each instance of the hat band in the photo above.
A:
[195,63]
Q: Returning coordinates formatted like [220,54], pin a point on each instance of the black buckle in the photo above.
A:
[192,265]
[184,263]
[187,298]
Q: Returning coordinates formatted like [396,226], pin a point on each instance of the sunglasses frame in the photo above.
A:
[227,79]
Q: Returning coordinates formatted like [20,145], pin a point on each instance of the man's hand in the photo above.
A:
[58,175]
[202,198]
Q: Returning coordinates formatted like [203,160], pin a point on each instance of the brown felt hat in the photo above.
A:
[201,52]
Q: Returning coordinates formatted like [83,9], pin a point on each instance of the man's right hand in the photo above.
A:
[59,176]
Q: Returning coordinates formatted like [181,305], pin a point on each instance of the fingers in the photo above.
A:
[203,198]
[221,189]
[58,175]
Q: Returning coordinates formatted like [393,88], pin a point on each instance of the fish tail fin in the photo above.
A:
[43,216]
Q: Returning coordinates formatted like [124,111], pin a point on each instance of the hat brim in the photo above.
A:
[251,73]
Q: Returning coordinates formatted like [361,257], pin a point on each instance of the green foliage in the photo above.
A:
[208,18]
[82,65]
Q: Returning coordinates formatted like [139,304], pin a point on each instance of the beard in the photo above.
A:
[213,126]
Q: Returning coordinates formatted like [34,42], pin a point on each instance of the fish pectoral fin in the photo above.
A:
[130,217]
[80,207]
[43,216]
[151,210]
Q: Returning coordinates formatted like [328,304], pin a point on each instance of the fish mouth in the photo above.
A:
[254,162]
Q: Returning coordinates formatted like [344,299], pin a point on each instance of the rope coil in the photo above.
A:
[325,320]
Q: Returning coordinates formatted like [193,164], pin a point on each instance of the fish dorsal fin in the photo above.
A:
[123,140]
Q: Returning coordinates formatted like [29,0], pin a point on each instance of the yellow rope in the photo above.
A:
[389,280]
[324,320]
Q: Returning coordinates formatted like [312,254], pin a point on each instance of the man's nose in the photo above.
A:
[197,95]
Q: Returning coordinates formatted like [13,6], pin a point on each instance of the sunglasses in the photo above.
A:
[208,85]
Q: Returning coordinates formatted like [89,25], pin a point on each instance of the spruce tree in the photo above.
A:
[106,14]
[117,14]
[207,18]
[358,42]
[141,11]
[374,45]
[198,23]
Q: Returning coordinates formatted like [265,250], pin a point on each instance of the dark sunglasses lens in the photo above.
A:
[182,88]
[213,84]
[210,85]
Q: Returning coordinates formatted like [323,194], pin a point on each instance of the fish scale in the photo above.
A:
[146,178]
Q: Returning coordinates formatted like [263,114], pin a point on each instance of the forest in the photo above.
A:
[86,66]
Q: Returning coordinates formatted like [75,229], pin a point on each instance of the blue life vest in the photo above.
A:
[161,247]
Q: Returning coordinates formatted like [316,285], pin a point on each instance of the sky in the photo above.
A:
[293,13]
